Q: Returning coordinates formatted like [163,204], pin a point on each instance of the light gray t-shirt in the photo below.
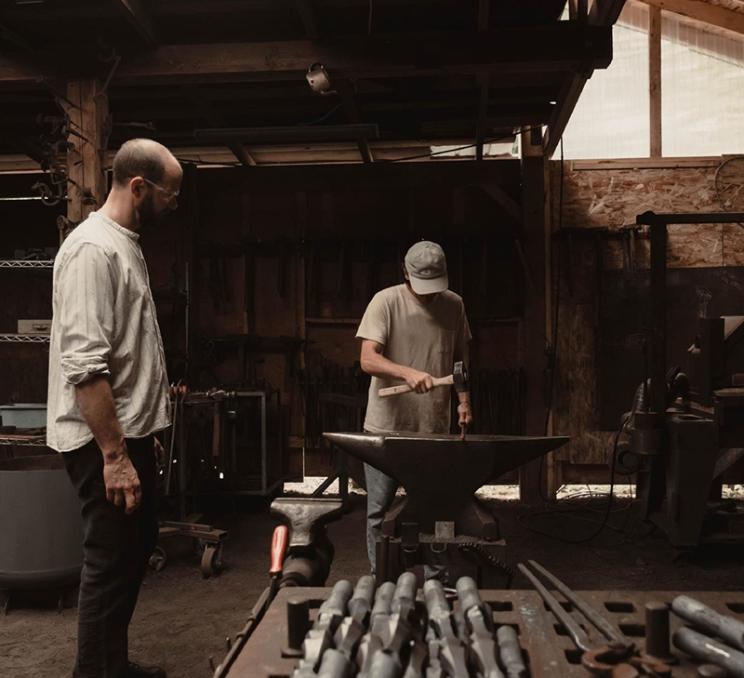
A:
[104,323]
[426,337]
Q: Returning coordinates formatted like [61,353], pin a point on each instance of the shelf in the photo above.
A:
[24,338]
[27,263]
[333,321]
[25,441]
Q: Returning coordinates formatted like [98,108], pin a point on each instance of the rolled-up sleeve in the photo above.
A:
[85,309]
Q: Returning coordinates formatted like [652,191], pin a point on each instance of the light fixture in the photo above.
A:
[318,79]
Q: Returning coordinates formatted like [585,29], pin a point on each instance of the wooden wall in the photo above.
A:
[291,255]
[352,226]
[607,195]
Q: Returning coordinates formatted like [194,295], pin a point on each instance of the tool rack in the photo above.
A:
[547,648]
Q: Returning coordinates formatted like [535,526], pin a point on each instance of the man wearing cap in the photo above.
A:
[411,332]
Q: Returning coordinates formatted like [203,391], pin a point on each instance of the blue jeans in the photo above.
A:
[380,494]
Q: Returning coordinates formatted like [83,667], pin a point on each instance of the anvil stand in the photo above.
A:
[440,524]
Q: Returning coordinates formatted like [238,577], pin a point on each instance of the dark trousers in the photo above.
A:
[116,548]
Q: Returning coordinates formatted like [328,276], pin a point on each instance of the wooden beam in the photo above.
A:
[704,12]
[242,154]
[379,175]
[484,14]
[279,135]
[481,124]
[87,109]
[554,48]
[605,12]
[348,98]
[309,19]
[504,200]
[654,81]
[532,486]
[135,14]
[602,13]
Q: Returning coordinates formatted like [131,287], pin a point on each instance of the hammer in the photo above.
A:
[458,379]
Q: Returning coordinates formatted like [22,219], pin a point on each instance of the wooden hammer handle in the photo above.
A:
[405,388]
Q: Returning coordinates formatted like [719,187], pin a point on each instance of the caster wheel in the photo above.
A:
[211,562]
[158,559]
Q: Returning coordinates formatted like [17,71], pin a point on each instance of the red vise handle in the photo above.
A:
[278,549]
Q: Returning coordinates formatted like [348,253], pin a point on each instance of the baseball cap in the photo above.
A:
[426,266]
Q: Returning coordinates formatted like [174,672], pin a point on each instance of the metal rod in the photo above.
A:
[602,624]
[652,219]
[264,470]
[578,635]
[658,317]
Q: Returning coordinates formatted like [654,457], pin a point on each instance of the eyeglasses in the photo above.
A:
[172,195]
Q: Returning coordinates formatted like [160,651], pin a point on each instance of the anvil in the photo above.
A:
[441,473]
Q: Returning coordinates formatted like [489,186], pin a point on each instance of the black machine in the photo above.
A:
[686,429]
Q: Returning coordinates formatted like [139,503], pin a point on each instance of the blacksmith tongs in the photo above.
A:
[617,657]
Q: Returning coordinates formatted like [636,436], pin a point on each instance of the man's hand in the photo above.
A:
[466,414]
[421,382]
[159,451]
[121,480]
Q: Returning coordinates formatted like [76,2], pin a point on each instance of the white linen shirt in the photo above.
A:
[104,323]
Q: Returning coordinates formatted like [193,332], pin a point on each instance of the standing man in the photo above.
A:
[108,395]
[411,332]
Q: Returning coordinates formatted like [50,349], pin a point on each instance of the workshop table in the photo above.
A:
[547,647]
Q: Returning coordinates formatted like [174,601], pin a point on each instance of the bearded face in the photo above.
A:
[150,214]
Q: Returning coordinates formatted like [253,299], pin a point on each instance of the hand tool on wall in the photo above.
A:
[617,655]
[458,379]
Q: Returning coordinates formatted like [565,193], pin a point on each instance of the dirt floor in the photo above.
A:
[182,620]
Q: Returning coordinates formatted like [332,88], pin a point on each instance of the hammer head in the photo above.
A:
[460,376]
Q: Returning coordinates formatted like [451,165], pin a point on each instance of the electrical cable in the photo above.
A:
[608,508]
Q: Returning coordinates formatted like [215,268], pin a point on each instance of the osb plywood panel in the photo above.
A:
[612,198]
[575,387]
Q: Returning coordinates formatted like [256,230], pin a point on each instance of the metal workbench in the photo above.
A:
[549,650]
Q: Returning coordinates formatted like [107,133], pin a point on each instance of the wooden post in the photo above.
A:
[87,109]
[654,80]
[534,335]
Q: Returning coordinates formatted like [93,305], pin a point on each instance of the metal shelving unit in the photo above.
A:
[23,441]
[24,338]
[27,263]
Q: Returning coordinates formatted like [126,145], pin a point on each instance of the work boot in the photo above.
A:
[137,671]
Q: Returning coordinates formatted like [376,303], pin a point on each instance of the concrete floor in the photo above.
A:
[182,620]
